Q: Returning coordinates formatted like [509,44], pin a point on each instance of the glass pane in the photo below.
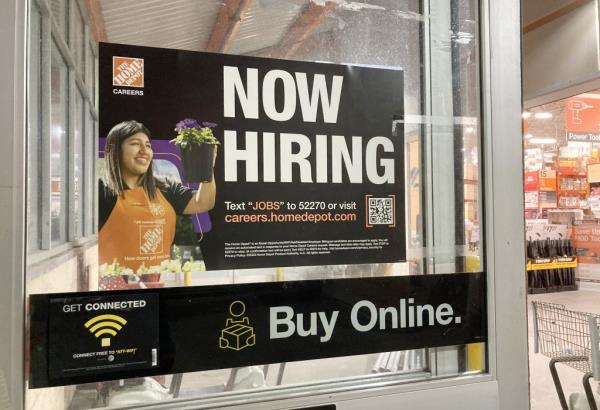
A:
[89,184]
[94,138]
[437,46]
[34,134]
[78,46]
[78,172]
[58,146]
[561,143]
[60,13]
[442,133]
[90,76]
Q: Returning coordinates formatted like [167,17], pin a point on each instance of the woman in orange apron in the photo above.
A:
[137,211]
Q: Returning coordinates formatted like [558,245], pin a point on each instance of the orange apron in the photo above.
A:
[137,231]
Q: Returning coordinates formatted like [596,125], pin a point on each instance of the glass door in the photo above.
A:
[440,51]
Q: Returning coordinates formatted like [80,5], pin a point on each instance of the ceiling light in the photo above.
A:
[526,114]
[538,140]
[543,115]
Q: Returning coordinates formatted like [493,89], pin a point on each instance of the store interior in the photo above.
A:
[562,189]
[561,142]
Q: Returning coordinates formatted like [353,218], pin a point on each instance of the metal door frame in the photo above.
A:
[506,384]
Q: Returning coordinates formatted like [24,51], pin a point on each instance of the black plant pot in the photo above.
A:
[198,162]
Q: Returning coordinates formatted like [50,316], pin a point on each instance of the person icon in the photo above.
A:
[237,334]
[237,309]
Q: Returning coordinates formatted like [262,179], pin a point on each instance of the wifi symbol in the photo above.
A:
[105,325]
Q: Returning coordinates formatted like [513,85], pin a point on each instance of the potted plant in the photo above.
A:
[189,267]
[193,266]
[149,275]
[197,143]
[113,276]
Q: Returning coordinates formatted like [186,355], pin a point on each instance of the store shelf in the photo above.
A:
[573,174]
[573,191]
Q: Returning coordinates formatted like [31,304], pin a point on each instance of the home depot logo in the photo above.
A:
[128,72]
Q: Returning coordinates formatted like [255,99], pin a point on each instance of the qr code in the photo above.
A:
[381,211]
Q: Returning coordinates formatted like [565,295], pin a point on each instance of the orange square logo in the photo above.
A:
[151,239]
[128,72]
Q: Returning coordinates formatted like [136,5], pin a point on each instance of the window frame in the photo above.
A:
[81,84]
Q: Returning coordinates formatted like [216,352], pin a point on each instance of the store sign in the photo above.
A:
[310,166]
[535,230]
[569,166]
[532,200]
[532,181]
[586,240]
[565,262]
[547,180]
[228,326]
[90,335]
[582,119]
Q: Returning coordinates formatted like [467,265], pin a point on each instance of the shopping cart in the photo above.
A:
[568,337]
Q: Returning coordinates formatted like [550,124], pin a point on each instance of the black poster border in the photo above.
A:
[371,104]
[466,291]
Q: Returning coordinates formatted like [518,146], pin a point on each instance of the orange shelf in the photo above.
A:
[572,174]
[573,191]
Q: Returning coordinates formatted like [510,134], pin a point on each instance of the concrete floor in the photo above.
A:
[542,391]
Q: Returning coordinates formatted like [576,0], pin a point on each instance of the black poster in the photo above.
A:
[102,334]
[228,326]
[309,167]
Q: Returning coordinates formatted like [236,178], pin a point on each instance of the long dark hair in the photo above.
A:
[112,155]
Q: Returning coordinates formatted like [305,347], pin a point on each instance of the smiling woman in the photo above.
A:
[138,211]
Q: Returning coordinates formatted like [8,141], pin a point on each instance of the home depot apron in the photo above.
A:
[137,231]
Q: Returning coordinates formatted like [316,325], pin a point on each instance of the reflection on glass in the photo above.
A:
[79,41]
[90,76]
[78,167]
[89,184]
[33,135]
[58,147]
[60,13]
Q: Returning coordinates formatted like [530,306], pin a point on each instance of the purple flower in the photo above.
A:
[209,124]
[185,124]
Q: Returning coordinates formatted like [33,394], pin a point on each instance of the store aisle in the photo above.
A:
[542,391]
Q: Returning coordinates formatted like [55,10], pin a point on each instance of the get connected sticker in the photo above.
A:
[102,333]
